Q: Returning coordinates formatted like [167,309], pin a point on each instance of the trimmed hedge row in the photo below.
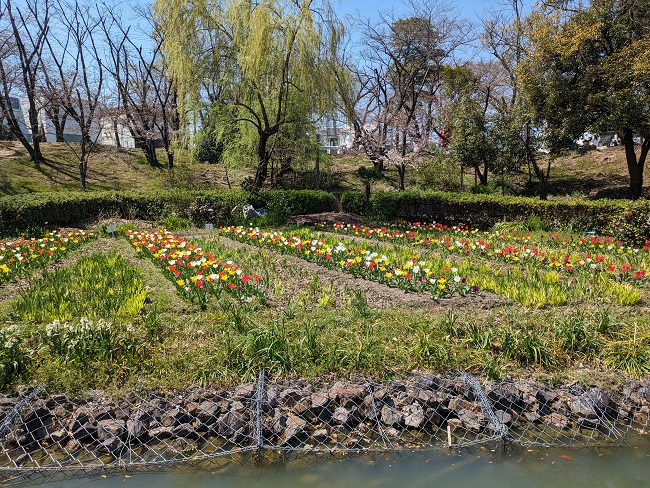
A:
[34,210]
[629,220]
[626,219]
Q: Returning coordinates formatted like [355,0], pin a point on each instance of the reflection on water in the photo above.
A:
[540,467]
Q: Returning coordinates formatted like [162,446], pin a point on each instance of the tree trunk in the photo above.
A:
[635,167]
[116,134]
[82,175]
[149,150]
[317,168]
[264,156]
[401,171]
[367,186]
[170,159]
[482,176]
[539,172]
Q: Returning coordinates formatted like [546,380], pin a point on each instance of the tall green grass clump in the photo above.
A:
[96,286]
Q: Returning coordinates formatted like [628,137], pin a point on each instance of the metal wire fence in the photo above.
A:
[42,433]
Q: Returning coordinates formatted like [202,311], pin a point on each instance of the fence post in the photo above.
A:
[500,428]
[260,397]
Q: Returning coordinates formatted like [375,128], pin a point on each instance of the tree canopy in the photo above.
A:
[266,58]
[587,70]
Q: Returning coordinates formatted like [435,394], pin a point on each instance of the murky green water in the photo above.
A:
[482,468]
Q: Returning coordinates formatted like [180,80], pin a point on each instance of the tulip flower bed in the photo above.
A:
[113,321]
[20,256]
[195,273]
[534,272]
[400,270]
[591,253]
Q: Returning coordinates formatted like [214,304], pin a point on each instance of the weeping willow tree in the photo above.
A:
[259,56]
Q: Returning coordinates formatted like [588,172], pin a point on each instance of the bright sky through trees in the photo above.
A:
[470,9]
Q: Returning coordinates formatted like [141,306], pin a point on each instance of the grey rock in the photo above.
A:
[107,429]
[294,428]
[556,420]
[321,435]
[136,429]
[504,417]
[414,416]
[344,416]
[244,392]
[351,393]
[533,417]
[592,404]
[174,417]
[506,397]
[319,400]
[185,431]
[391,416]
[229,423]
[111,444]
[161,433]
[289,397]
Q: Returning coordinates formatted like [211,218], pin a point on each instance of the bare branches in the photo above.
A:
[399,80]
[24,38]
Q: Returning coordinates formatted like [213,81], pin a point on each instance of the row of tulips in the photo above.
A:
[589,254]
[409,273]
[20,256]
[195,273]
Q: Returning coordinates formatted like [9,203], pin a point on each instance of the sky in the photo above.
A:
[370,9]
[470,9]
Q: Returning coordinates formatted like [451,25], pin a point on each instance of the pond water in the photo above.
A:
[484,468]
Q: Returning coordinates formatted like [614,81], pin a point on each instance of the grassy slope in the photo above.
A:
[592,174]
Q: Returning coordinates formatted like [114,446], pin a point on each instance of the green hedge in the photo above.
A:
[629,220]
[34,210]
[354,202]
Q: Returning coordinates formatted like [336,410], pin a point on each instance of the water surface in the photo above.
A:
[484,468]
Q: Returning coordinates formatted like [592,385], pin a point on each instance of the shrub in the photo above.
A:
[480,210]
[631,223]
[353,202]
[283,203]
[34,210]
[207,211]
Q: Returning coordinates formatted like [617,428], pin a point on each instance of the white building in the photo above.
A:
[113,132]
[335,137]
[105,132]
[19,108]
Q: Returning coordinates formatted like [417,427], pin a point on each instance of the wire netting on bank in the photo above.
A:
[43,433]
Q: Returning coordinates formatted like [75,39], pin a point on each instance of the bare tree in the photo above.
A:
[23,36]
[58,81]
[396,98]
[79,74]
[147,98]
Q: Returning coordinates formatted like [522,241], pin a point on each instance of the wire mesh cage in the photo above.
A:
[43,433]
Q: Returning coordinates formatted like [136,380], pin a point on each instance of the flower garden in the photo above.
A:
[166,309]
[20,256]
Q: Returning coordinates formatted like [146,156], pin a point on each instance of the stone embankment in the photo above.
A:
[338,415]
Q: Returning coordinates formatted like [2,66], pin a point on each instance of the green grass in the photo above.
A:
[591,174]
